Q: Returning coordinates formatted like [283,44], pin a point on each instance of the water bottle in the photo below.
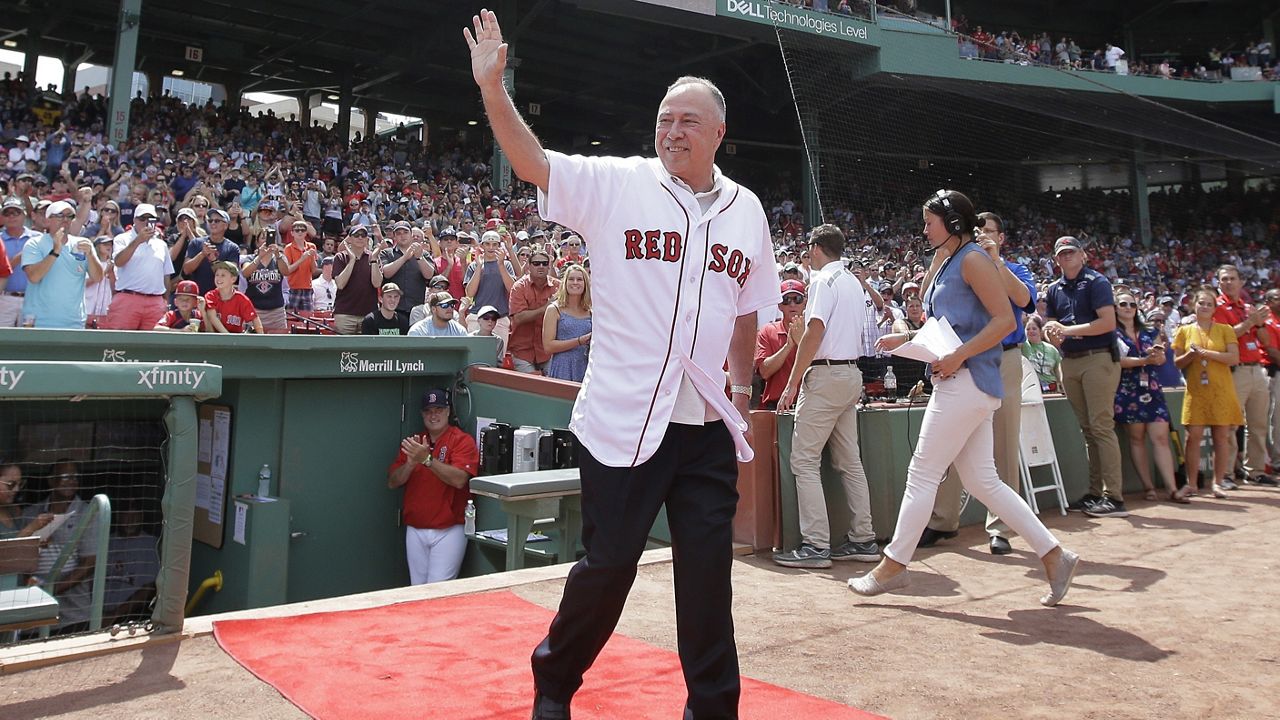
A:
[469,526]
[890,382]
[264,481]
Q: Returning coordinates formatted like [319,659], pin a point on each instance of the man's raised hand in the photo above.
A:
[488,52]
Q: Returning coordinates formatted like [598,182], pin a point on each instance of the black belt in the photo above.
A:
[1010,346]
[833,362]
[13,294]
[1084,353]
[135,292]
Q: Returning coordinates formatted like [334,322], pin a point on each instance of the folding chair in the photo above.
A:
[1036,443]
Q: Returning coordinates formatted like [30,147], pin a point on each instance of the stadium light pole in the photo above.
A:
[122,70]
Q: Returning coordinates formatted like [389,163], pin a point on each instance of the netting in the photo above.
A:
[55,457]
[1065,155]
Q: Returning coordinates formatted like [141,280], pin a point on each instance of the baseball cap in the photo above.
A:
[328,260]
[909,286]
[436,298]
[103,240]
[14,203]
[449,232]
[389,288]
[228,266]
[486,310]
[490,236]
[791,267]
[58,208]
[1066,242]
[187,213]
[298,223]
[435,397]
[439,280]
[492,224]
[357,227]
[522,236]
[538,233]
[21,138]
[792,286]
[1166,300]
[187,287]
[145,209]
[215,212]
[402,225]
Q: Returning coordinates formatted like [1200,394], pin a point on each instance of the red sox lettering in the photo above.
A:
[668,246]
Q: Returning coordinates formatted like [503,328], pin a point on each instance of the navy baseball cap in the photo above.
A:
[435,397]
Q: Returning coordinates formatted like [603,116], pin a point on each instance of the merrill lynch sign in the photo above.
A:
[794,18]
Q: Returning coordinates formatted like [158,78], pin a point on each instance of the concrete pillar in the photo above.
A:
[370,120]
[69,88]
[1141,208]
[1235,178]
[344,108]
[121,81]
[31,46]
[235,94]
[304,110]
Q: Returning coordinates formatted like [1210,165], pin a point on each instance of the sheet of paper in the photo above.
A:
[242,516]
[204,489]
[58,521]
[205,454]
[482,423]
[933,340]
[221,444]
[217,500]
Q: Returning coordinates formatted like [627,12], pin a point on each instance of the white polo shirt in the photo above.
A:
[147,268]
[838,300]
[668,283]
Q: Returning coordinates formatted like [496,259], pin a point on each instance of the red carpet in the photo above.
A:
[467,658]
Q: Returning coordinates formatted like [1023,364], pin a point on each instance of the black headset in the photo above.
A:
[952,219]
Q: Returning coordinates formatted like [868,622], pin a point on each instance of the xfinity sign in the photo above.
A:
[793,18]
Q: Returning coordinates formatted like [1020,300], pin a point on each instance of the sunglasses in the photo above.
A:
[539,263]
[361,234]
[1127,304]
[213,220]
[445,305]
[200,206]
[793,300]
[109,211]
[302,230]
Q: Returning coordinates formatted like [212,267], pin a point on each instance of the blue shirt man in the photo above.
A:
[202,253]
[56,266]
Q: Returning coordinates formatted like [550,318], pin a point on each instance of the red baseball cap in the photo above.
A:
[187,287]
[492,224]
[793,286]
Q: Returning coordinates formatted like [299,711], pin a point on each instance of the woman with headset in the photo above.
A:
[963,286]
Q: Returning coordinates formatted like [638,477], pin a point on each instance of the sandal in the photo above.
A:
[1219,493]
[1180,497]
[1151,495]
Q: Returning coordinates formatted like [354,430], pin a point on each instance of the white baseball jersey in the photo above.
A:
[668,283]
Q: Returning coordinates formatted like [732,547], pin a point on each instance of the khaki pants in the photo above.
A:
[827,410]
[1006,426]
[1254,393]
[1090,383]
[347,324]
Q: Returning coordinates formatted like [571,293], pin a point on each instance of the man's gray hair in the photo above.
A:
[695,80]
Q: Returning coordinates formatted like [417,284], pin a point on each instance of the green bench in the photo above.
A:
[531,496]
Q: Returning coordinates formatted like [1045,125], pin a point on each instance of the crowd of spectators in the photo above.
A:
[1040,48]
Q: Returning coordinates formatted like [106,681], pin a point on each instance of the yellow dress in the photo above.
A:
[1215,403]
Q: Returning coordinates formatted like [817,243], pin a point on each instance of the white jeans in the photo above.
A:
[434,555]
[957,430]
[10,311]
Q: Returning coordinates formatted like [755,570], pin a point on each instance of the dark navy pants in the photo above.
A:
[694,473]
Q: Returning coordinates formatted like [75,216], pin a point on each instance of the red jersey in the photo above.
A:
[1272,329]
[1234,313]
[769,341]
[429,503]
[174,320]
[234,313]
[5,268]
